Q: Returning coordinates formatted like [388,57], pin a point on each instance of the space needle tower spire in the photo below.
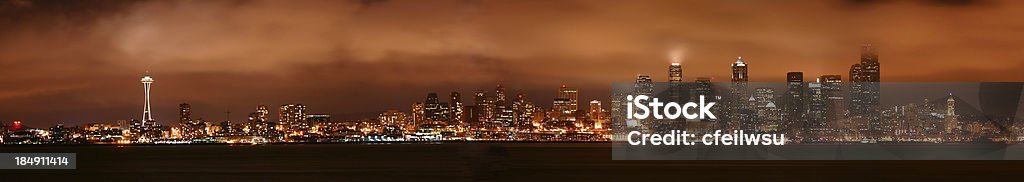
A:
[147,82]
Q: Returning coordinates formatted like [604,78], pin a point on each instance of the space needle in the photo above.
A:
[147,114]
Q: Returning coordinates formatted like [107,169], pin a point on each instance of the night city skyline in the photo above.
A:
[511,90]
[81,65]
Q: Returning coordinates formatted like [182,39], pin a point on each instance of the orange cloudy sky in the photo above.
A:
[80,61]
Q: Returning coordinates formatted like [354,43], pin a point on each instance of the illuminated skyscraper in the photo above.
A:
[292,117]
[795,106]
[675,73]
[701,86]
[643,85]
[184,113]
[455,109]
[262,113]
[147,114]
[739,71]
[950,119]
[499,96]
[835,107]
[523,111]
[484,106]
[567,101]
[599,115]
[740,113]
[675,82]
[432,107]
[259,122]
[865,89]
[418,113]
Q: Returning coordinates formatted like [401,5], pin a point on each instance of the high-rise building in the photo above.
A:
[835,107]
[292,117]
[768,114]
[739,113]
[523,111]
[599,115]
[675,73]
[499,96]
[418,114]
[262,113]
[675,82]
[567,100]
[739,71]
[865,89]
[432,107]
[147,113]
[795,105]
[701,86]
[259,122]
[456,108]
[484,105]
[184,113]
[816,109]
[442,112]
[868,70]
[950,118]
[643,85]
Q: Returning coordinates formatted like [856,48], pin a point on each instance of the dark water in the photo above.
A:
[466,162]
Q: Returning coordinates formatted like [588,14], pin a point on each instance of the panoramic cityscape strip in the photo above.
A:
[817,111]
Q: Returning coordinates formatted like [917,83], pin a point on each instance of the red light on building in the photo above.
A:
[16,126]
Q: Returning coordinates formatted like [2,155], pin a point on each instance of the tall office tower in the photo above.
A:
[675,82]
[567,101]
[455,110]
[816,110]
[768,115]
[675,73]
[442,112]
[184,113]
[262,113]
[643,85]
[147,113]
[572,95]
[739,71]
[738,112]
[599,115]
[795,105]
[504,116]
[259,122]
[418,114]
[832,87]
[292,117]
[523,111]
[951,122]
[484,105]
[865,89]
[868,70]
[499,96]
[432,107]
[702,86]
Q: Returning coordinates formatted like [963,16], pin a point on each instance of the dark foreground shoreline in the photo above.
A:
[467,161]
